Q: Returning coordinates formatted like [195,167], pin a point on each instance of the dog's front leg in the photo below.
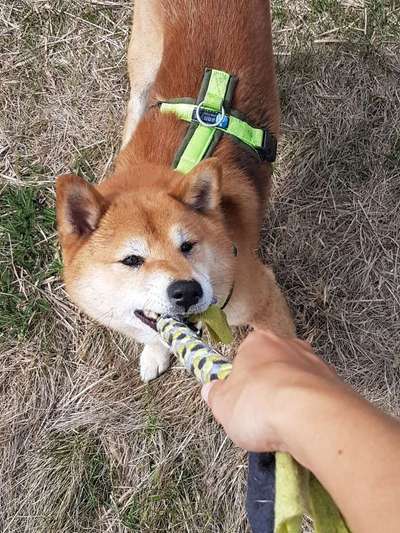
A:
[258,301]
[154,360]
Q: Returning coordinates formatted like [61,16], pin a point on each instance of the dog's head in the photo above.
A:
[131,254]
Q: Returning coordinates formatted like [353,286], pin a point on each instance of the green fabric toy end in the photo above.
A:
[298,493]
[215,320]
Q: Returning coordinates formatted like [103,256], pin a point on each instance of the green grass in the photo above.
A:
[82,163]
[384,19]
[153,424]
[28,256]
[279,13]
[97,483]
[323,6]
[169,491]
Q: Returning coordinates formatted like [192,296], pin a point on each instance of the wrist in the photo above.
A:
[350,447]
[307,413]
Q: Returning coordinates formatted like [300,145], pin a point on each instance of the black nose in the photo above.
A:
[185,293]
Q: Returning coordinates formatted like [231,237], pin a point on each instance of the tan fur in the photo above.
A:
[147,204]
[144,57]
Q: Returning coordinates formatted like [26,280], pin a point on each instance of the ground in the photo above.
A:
[84,445]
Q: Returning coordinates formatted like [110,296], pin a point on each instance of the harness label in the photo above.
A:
[211,117]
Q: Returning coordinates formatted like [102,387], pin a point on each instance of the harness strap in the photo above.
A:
[241,130]
[216,91]
[209,120]
[200,141]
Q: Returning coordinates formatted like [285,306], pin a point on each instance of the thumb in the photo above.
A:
[209,389]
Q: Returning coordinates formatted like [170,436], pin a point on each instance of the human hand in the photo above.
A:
[272,380]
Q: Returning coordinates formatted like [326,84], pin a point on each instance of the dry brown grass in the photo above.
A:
[85,446]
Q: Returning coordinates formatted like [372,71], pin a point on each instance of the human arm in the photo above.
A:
[280,396]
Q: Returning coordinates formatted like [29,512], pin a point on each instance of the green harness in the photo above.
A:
[211,117]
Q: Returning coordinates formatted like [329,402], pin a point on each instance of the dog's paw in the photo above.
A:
[154,361]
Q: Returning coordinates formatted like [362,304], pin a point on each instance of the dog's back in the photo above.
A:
[173,42]
[231,36]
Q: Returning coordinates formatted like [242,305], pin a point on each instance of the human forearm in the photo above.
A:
[354,450]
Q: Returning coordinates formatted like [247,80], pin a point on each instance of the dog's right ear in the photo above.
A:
[79,206]
[200,189]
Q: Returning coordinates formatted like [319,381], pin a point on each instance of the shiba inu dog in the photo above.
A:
[151,240]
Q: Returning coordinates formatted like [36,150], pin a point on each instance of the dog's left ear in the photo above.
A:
[201,188]
[79,207]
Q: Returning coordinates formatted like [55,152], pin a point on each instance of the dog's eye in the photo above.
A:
[134,261]
[187,247]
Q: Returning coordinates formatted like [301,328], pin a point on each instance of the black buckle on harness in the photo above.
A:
[269,148]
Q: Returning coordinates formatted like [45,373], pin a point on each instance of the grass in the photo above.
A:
[76,463]
[166,499]
[84,445]
[29,257]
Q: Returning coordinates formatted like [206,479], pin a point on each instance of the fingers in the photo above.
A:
[210,390]
[214,394]
[268,334]
[265,346]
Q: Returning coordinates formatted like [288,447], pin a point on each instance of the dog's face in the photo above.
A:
[132,255]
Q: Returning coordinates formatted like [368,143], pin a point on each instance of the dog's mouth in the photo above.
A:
[148,317]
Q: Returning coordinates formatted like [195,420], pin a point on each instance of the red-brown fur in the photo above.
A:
[234,37]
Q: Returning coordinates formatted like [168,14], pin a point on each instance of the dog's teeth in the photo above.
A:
[150,314]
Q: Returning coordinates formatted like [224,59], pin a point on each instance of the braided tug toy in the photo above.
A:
[198,358]
[280,491]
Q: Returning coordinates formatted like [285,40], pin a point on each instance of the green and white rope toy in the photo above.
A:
[197,357]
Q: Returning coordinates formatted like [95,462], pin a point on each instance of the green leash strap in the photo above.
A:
[209,119]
